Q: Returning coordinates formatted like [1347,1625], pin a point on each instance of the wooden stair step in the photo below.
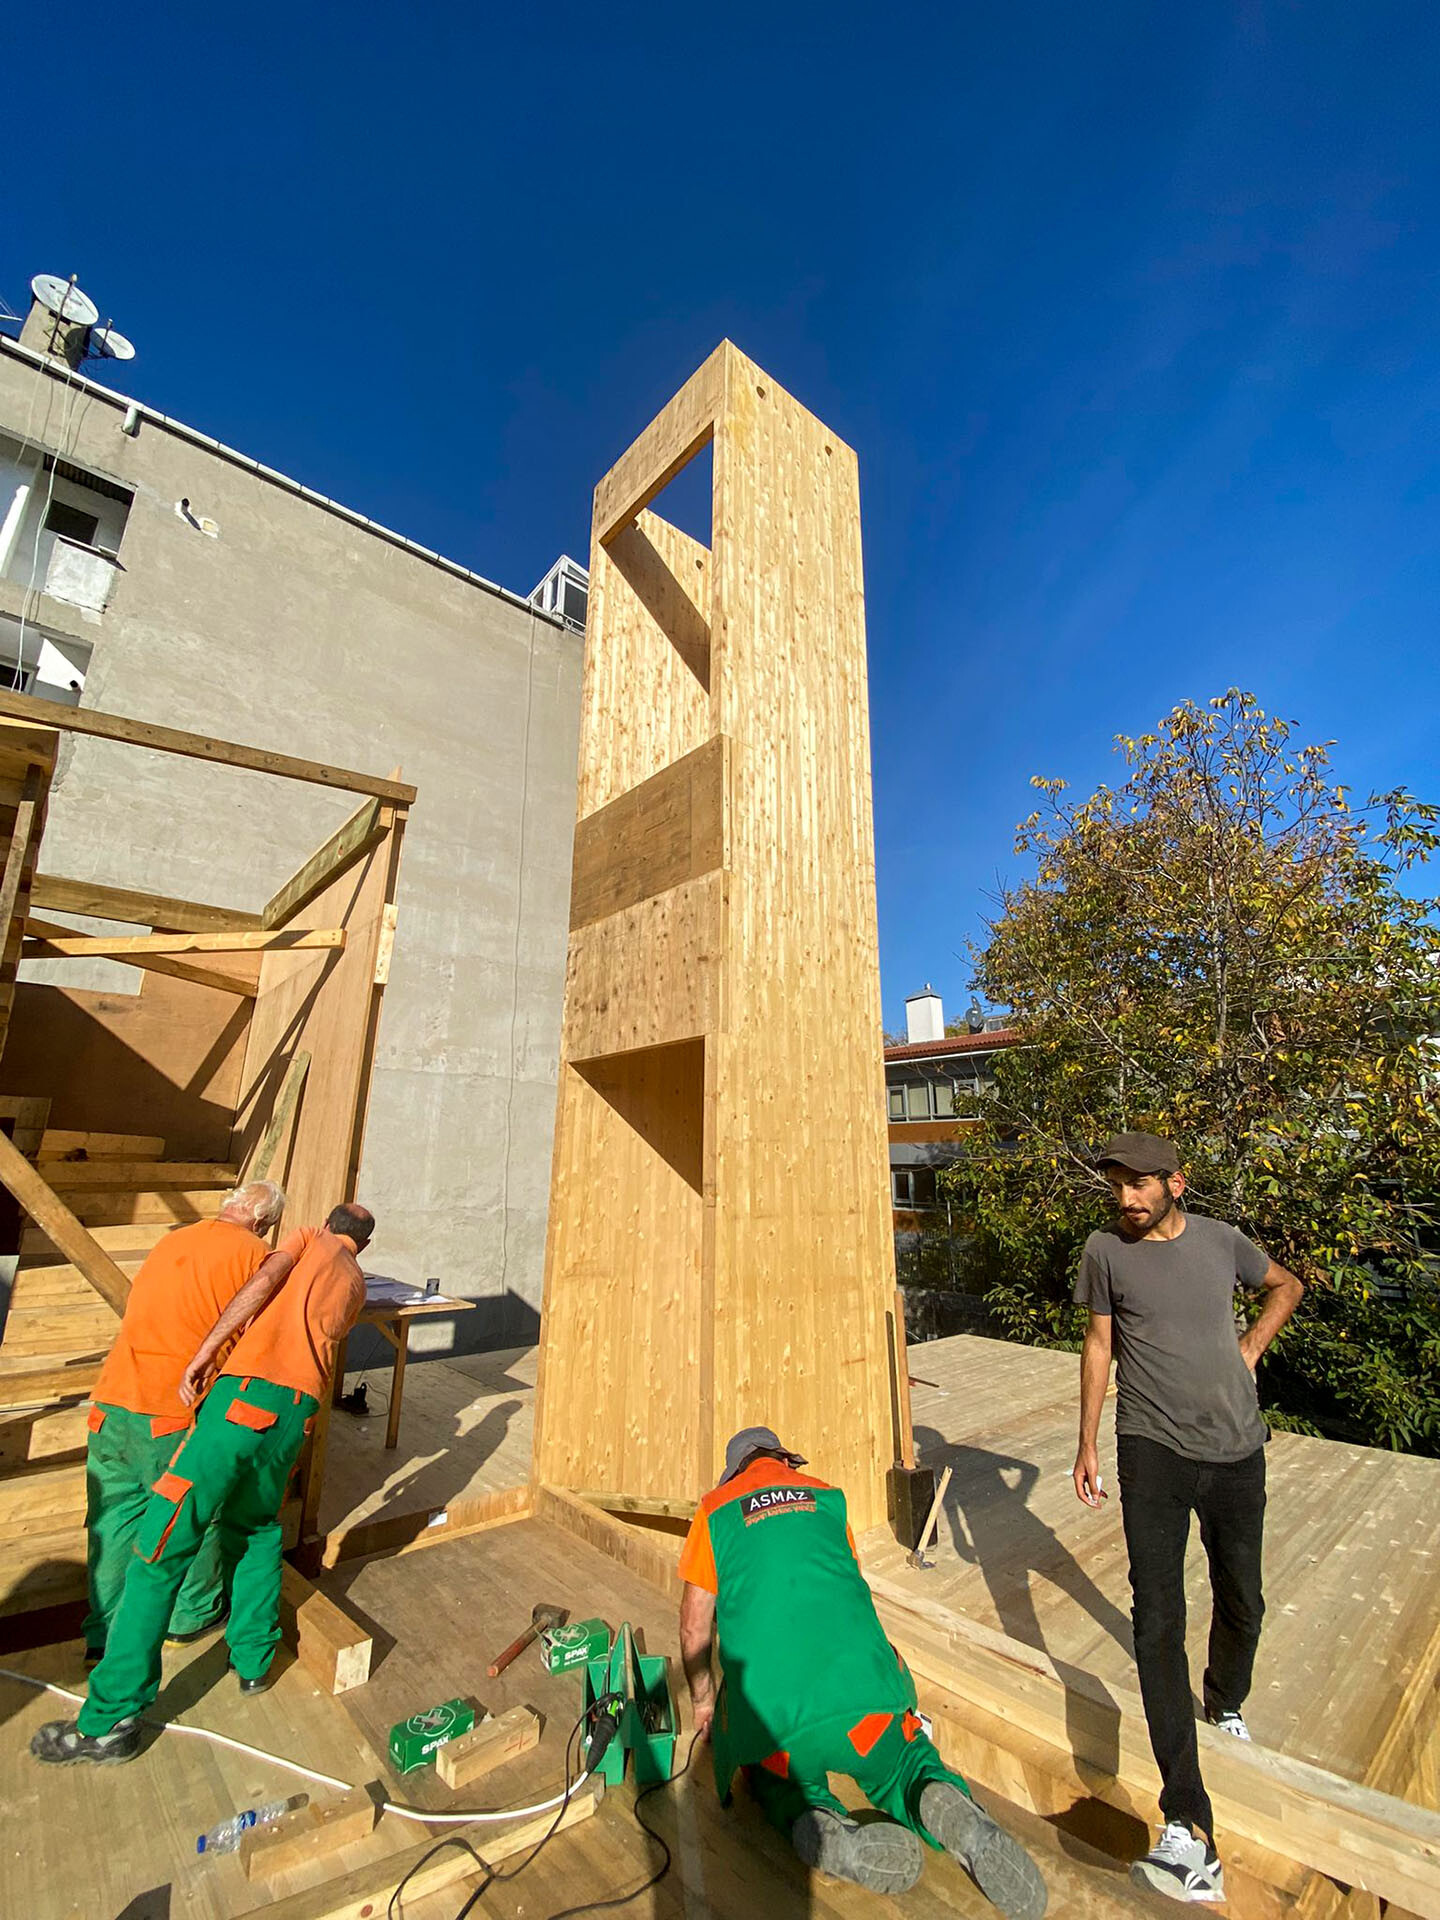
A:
[43,1433]
[39,1496]
[51,1338]
[43,1570]
[61,1143]
[24,1383]
[179,1207]
[64,1286]
[86,1176]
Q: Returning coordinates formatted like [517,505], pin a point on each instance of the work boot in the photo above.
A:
[60,1743]
[198,1633]
[878,1855]
[999,1866]
[262,1685]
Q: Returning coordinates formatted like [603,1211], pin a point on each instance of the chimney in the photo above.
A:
[924,1015]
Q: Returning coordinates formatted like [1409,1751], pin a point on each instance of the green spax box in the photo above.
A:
[415,1741]
[572,1646]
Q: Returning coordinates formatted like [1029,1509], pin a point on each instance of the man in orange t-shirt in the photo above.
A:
[137,1417]
[232,1469]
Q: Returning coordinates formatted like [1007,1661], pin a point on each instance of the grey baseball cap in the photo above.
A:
[1139,1153]
[755,1440]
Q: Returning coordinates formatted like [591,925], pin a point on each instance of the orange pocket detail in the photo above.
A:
[170,1486]
[778,1764]
[866,1734]
[240,1413]
[95,1419]
[912,1726]
[309,1426]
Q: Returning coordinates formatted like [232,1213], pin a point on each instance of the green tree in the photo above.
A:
[1219,950]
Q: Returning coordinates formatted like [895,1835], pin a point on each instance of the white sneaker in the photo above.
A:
[1231,1723]
[1182,1866]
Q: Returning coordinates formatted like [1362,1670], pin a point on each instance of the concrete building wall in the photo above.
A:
[292,628]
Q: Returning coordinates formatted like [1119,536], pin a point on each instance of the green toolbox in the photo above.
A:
[573,1646]
[648,1725]
[414,1742]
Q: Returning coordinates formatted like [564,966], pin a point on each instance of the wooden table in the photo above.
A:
[393,1319]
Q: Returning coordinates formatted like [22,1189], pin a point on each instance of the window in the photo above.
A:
[71,523]
[944,1098]
[917,1101]
[900,1178]
[912,1187]
[897,1103]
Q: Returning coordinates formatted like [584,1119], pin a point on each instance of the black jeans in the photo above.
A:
[1159,1489]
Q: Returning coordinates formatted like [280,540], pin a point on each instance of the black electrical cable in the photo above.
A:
[450,1840]
[624,1899]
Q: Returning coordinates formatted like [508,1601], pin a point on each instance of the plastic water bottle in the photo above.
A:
[227,1836]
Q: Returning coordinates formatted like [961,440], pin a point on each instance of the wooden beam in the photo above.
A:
[364,830]
[363,1894]
[636,1503]
[40,1386]
[672,439]
[307,1833]
[32,793]
[198,746]
[49,1212]
[332,1647]
[99,946]
[264,1155]
[652,1556]
[135,1176]
[1368,1840]
[488,1745]
[157,910]
[200,976]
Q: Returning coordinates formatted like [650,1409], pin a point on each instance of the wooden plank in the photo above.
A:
[153,1175]
[159,910]
[49,1212]
[96,946]
[363,1893]
[488,1745]
[290,1090]
[408,1532]
[1366,1839]
[307,1833]
[365,829]
[202,976]
[671,440]
[669,829]
[198,746]
[39,1386]
[332,1647]
[632,1503]
[19,851]
[653,1556]
[69,1143]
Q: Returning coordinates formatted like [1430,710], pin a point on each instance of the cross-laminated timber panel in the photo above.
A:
[720,1251]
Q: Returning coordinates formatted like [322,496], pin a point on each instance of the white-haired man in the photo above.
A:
[137,1417]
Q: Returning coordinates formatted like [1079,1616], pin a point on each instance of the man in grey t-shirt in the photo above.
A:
[1160,1287]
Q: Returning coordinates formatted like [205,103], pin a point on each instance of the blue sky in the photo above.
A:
[1130,313]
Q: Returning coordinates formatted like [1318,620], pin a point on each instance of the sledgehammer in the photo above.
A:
[540,1619]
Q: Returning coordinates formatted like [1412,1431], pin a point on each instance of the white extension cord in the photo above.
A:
[421,1814]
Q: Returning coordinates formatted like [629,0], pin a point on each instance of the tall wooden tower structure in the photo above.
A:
[720,1250]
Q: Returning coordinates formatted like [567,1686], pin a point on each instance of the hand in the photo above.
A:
[193,1380]
[704,1719]
[1249,1353]
[1088,1485]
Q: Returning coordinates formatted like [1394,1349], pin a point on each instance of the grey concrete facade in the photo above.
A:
[293,627]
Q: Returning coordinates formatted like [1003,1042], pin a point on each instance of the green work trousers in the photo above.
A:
[122,1463]
[232,1470]
[887,1755]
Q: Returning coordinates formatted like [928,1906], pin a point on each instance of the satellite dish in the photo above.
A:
[65,301]
[974,1018]
[109,344]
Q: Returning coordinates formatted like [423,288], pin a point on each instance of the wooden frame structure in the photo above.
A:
[718,1209]
[246,1053]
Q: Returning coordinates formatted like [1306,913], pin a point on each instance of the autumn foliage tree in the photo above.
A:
[1220,950]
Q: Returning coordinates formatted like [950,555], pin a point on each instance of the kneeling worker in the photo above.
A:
[233,1468]
[811,1686]
[136,1414]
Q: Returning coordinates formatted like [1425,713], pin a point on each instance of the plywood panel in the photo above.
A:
[669,829]
[645,700]
[626,1323]
[166,1060]
[773,958]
